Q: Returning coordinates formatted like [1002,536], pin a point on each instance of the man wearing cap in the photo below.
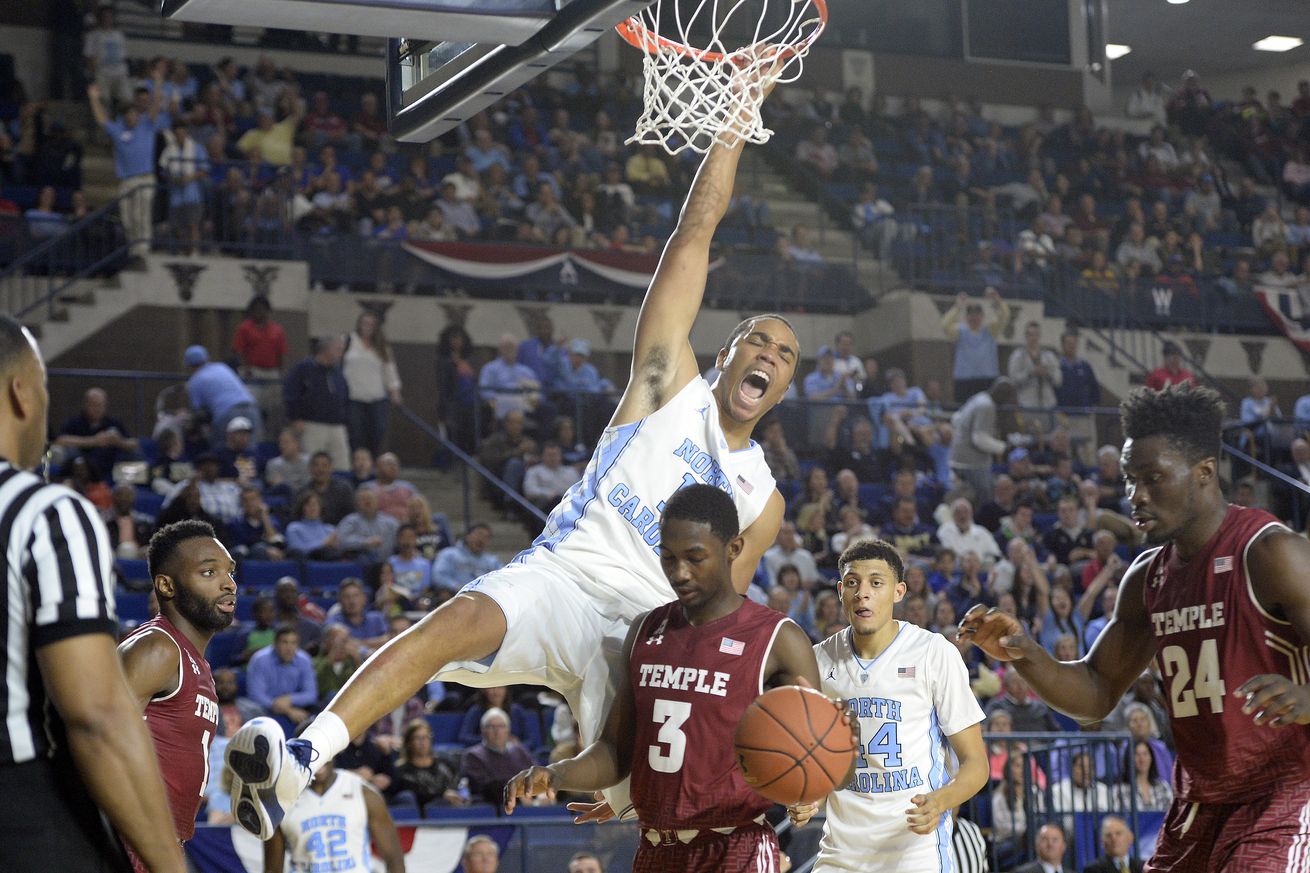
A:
[1172,371]
[317,398]
[578,374]
[216,388]
[237,459]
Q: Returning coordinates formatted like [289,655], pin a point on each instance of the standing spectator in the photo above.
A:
[1077,388]
[541,353]
[271,141]
[97,436]
[394,494]
[547,481]
[261,347]
[506,384]
[367,533]
[104,53]
[1172,371]
[975,442]
[371,380]
[456,385]
[335,495]
[976,362]
[185,166]
[133,138]
[494,761]
[1035,371]
[215,388]
[466,560]
[317,399]
[75,749]
[280,678]
[1147,100]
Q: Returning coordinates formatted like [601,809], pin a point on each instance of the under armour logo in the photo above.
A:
[195,668]
[657,638]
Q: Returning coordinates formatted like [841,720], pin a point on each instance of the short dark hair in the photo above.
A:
[1190,417]
[587,856]
[872,550]
[164,544]
[283,630]
[740,330]
[320,454]
[707,505]
[13,342]
[350,582]
[404,527]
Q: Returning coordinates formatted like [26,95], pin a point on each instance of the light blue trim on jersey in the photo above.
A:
[850,641]
[575,503]
[936,779]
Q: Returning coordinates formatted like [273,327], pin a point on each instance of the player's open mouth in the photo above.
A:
[1144,522]
[864,612]
[227,605]
[754,385]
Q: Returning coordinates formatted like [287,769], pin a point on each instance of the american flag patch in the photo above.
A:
[905,672]
[745,486]
[1223,565]
[730,646]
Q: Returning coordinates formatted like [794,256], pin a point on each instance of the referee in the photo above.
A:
[71,736]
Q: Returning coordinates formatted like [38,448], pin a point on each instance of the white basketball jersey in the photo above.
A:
[906,701]
[606,528]
[329,831]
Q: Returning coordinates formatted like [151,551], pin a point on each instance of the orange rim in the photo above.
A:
[638,35]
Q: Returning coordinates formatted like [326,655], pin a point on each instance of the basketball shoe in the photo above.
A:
[271,773]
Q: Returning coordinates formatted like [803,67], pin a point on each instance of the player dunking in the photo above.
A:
[164,660]
[693,667]
[1222,603]
[558,613]
[908,690]
[330,828]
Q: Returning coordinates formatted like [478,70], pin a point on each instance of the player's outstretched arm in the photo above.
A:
[1276,563]
[926,810]
[275,852]
[1088,689]
[150,663]
[111,746]
[606,761]
[662,358]
[383,831]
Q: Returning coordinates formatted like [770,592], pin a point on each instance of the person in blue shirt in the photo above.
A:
[505,383]
[280,678]
[351,611]
[215,388]
[578,374]
[133,138]
[824,383]
[412,571]
[460,564]
[541,353]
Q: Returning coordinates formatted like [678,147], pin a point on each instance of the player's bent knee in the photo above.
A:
[466,627]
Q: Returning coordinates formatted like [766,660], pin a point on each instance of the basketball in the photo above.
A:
[792,745]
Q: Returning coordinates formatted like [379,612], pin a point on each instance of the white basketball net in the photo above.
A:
[697,96]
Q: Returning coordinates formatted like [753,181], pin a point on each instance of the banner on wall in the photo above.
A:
[1289,312]
[596,269]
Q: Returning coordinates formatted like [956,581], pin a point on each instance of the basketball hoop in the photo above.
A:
[695,97]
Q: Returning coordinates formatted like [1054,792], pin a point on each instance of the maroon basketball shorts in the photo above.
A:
[1270,834]
[752,848]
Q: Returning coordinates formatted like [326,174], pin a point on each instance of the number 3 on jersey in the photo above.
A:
[1174,666]
[671,715]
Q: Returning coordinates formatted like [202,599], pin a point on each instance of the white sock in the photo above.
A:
[328,735]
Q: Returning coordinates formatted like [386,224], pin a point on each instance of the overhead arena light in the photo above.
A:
[1114,50]
[1277,43]
[1177,2]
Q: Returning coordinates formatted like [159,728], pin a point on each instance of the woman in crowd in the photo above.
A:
[420,777]
[374,382]
[309,536]
[1142,776]
[430,538]
[457,381]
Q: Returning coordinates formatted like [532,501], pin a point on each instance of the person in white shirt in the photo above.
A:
[373,382]
[908,689]
[1147,100]
[545,482]
[787,549]
[1080,791]
[1035,370]
[961,534]
[845,363]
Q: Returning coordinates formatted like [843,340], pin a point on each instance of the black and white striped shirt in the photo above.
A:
[969,848]
[59,583]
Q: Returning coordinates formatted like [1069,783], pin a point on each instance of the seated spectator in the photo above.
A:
[801,249]
[97,436]
[1002,503]
[233,710]
[508,451]
[457,213]
[1141,724]
[393,493]
[1053,221]
[969,589]
[646,172]
[1027,713]
[430,538]
[336,499]
[309,536]
[237,458]
[366,626]
[280,678]
[787,550]
[262,634]
[943,570]
[782,461]
[270,141]
[817,153]
[297,610]
[1142,776]
[361,467]
[1009,820]
[129,529]
[184,502]
[578,374]
[1080,791]
[1019,525]
[856,158]
[43,221]
[1069,542]
[824,383]
[322,126]
[857,452]
[495,697]
[466,560]
[367,761]
[1116,842]
[1137,253]
[256,535]
[547,216]
[290,469]
[506,384]
[220,498]
[495,760]
[851,528]
[961,534]
[1109,597]
[336,662]
[485,152]
[1279,274]
[421,777]
[366,533]
[412,572]
[546,482]
[906,532]
[848,494]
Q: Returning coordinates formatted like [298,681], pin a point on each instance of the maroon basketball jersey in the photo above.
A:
[692,685]
[1212,636]
[183,724]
